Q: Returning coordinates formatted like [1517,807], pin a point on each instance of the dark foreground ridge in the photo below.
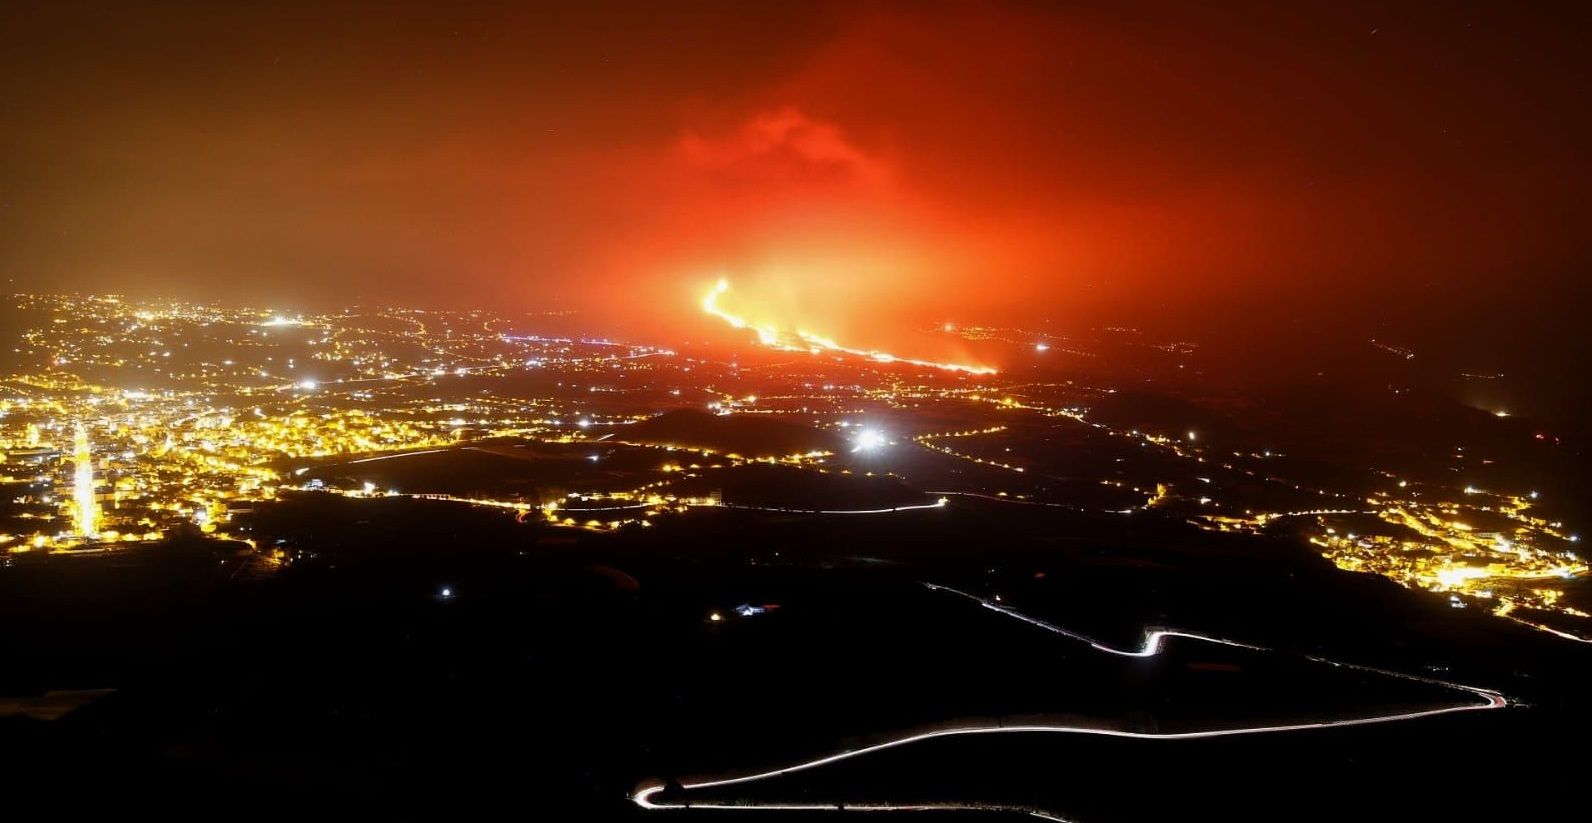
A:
[421,658]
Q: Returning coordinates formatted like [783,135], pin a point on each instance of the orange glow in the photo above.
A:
[773,337]
[865,170]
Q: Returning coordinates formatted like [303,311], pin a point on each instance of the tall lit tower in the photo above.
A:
[86,509]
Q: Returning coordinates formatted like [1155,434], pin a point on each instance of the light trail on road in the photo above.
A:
[1151,646]
[1152,639]
[391,456]
[1010,500]
[938,504]
[643,798]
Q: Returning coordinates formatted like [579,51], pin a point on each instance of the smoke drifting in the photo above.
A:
[861,171]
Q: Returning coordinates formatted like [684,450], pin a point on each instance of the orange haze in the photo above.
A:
[858,170]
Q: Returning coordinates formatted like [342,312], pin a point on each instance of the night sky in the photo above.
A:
[857,168]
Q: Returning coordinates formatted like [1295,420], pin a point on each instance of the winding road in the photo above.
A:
[646,795]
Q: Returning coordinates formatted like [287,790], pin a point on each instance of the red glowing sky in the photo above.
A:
[854,168]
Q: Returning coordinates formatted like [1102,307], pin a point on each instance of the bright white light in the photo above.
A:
[584,423]
[1041,347]
[868,440]
[85,507]
[1192,436]
[447,592]
[1458,575]
[370,488]
[308,384]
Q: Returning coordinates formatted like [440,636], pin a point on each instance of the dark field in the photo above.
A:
[564,670]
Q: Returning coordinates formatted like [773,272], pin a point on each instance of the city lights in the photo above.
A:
[221,435]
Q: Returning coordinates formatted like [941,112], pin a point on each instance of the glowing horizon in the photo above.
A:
[804,341]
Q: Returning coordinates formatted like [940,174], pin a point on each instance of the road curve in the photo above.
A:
[1152,645]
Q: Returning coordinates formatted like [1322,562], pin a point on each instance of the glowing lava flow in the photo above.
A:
[775,338]
[646,796]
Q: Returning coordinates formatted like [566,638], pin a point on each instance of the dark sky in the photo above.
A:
[852,167]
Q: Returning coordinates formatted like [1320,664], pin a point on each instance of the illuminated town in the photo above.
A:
[127,419]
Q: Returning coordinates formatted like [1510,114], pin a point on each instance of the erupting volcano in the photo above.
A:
[774,337]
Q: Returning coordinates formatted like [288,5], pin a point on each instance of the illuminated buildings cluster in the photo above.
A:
[1498,555]
[129,419]
[1495,554]
[122,420]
